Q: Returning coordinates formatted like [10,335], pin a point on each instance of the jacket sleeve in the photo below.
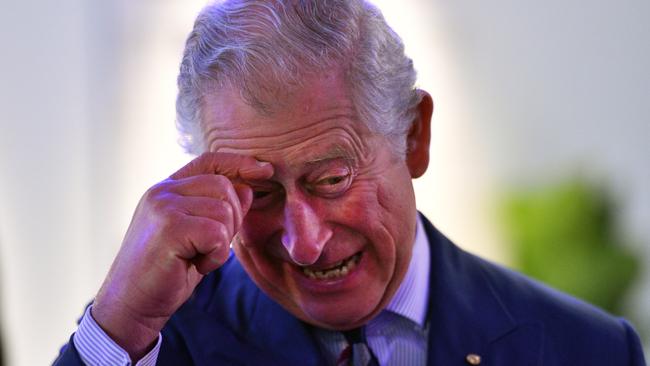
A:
[68,355]
[634,345]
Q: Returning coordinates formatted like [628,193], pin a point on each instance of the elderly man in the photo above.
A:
[310,131]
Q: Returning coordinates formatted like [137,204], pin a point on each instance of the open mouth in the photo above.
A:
[338,270]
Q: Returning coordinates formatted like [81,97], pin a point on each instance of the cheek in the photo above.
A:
[364,211]
[395,194]
[395,209]
[357,209]
[373,204]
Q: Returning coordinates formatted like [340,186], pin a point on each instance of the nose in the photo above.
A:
[305,233]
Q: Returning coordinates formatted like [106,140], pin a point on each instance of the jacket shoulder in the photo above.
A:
[519,318]
[572,328]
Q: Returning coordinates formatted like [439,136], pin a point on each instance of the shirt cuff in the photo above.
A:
[96,348]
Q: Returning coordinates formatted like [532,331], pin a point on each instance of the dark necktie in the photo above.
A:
[357,353]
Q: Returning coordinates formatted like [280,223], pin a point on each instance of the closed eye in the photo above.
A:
[332,180]
[265,195]
[333,185]
[257,194]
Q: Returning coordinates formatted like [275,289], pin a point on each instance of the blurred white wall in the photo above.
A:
[523,93]
[87,103]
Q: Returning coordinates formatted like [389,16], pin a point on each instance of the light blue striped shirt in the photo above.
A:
[96,348]
[397,335]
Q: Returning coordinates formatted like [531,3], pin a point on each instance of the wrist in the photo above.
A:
[134,333]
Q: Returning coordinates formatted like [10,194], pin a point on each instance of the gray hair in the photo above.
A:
[265,47]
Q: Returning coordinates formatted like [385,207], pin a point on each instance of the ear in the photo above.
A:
[419,136]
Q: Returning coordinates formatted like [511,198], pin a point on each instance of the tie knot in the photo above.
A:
[357,353]
[356,335]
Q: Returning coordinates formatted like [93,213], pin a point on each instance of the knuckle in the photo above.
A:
[161,203]
[157,190]
[221,212]
[227,207]
[221,186]
[221,231]
[220,180]
[216,231]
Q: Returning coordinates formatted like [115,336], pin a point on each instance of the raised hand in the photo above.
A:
[180,231]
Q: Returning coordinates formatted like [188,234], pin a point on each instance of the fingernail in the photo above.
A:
[262,164]
[249,169]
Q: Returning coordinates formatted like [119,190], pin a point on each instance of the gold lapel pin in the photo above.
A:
[473,359]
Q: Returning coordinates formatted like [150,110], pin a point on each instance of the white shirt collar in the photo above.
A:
[408,306]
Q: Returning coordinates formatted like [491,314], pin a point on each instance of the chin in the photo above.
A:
[342,312]
[337,317]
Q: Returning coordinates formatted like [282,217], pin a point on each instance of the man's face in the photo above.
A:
[329,236]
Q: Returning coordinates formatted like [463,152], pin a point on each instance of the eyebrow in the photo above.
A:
[336,152]
[333,153]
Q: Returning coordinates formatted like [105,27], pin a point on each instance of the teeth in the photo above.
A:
[339,269]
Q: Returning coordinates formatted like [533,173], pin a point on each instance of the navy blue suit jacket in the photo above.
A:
[475,307]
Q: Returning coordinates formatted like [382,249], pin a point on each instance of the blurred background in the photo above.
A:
[540,150]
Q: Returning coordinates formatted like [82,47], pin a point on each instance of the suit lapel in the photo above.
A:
[276,330]
[466,315]
[243,326]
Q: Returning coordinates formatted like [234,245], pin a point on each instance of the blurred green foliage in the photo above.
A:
[565,236]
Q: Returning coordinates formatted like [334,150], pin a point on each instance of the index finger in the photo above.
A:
[230,165]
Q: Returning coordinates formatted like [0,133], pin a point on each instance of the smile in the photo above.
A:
[339,269]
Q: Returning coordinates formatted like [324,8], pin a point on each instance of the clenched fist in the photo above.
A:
[180,231]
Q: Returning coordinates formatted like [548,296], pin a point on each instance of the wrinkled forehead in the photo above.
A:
[317,124]
[293,144]
[325,98]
